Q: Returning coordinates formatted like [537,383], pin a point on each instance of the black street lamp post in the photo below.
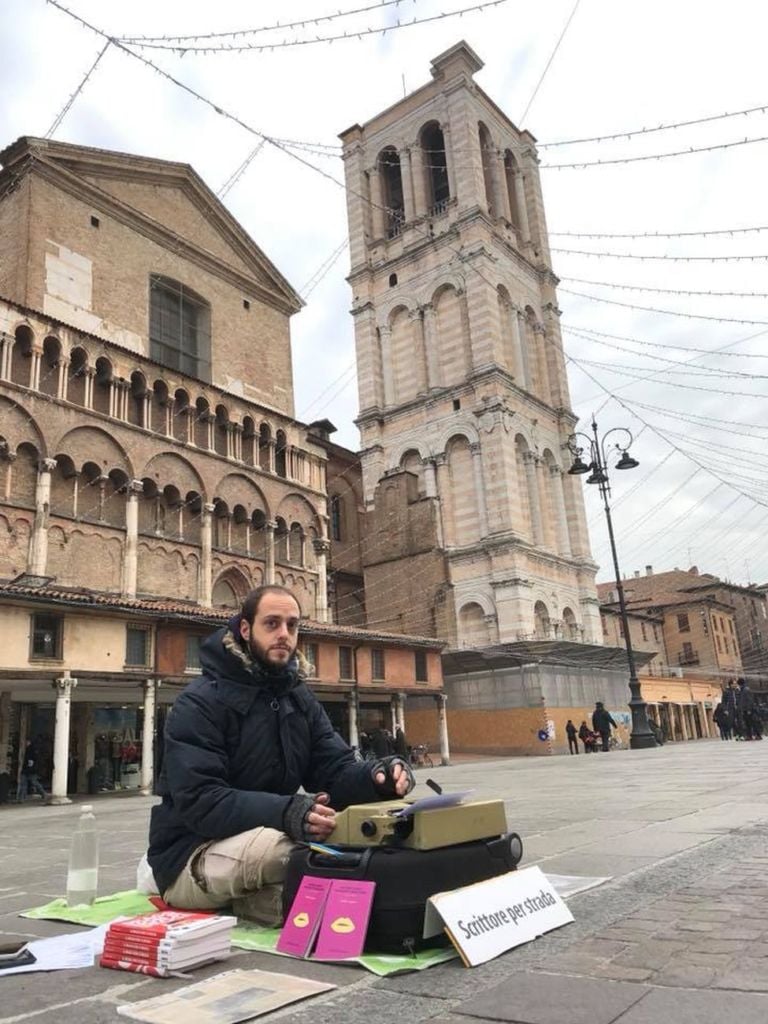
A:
[641,736]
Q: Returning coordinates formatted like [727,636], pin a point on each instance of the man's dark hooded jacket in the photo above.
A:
[239,742]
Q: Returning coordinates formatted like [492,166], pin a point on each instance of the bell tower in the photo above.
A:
[461,372]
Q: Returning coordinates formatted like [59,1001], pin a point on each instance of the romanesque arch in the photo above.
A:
[452,335]
[236,488]
[17,426]
[407,357]
[461,523]
[475,629]
[170,468]
[95,445]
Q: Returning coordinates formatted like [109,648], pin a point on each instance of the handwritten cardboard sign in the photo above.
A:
[488,918]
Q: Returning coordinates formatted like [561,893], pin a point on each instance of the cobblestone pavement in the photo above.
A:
[679,935]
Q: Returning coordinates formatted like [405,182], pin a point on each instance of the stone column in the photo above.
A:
[146,412]
[63,379]
[683,723]
[34,369]
[322,547]
[206,566]
[480,493]
[558,501]
[237,441]
[417,173]
[8,458]
[269,552]
[401,711]
[525,352]
[540,341]
[169,404]
[377,202]
[130,552]
[443,491]
[442,721]
[534,503]
[354,732]
[114,398]
[388,381]
[704,721]
[431,346]
[5,727]
[430,479]
[522,208]
[501,176]
[6,348]
[38,542]
[449,165]
[64,687]
[520,367]
[393,713]
[148,738]
[271,453]
[90,376]
[409,212]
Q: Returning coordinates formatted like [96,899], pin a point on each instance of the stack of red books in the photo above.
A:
[167,941]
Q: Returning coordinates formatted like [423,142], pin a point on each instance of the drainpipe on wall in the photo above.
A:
[353,700]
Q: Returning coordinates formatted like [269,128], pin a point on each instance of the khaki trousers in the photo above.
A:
[246,871]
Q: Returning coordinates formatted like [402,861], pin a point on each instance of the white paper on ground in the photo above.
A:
[569,885]
[225,998]
[63,952]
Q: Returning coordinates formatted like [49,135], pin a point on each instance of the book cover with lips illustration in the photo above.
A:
[303,921]
[345,920]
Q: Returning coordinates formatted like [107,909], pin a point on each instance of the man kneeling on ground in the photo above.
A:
[239,742]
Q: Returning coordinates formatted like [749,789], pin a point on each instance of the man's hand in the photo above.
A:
[321,820]
[399,777]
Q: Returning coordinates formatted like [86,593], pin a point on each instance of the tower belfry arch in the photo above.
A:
[459,355]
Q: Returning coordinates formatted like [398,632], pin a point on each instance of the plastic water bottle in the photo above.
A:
[83,872]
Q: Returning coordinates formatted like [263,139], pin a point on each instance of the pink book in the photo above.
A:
[345,921]
[303,921]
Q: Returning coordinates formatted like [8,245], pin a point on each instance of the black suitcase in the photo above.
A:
[405,879]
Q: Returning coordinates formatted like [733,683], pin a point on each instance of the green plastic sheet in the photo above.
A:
[103,910]
[250,936]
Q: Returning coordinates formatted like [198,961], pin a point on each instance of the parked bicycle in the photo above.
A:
[420,756]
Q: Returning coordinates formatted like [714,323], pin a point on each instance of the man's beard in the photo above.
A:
[264,656]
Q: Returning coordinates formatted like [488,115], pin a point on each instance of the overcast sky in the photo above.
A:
[701,493]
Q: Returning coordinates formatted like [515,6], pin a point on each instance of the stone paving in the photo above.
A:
[679,935]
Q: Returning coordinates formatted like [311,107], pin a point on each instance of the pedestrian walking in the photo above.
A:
[585,735]
[722,720]
[602,723]
[29,778]
[572,733]
[730,702]
[747,713]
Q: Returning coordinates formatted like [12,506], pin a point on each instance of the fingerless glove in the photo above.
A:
[296,814]
[386,789]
